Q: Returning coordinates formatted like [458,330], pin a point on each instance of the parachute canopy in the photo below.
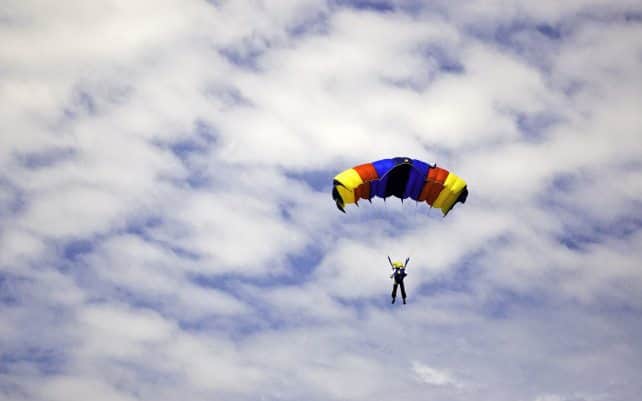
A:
[401,177]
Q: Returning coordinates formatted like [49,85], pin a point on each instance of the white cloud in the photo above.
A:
[167,229]
[432,376]
[66,388]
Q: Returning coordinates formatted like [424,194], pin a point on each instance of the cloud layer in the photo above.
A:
[167,230]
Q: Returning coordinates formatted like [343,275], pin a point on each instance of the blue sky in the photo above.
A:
[167,229]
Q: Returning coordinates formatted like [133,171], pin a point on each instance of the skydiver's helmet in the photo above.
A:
[398,265]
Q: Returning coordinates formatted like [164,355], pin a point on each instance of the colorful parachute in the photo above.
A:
[401,177]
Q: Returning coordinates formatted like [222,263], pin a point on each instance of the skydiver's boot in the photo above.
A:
[393,301]
[404,301]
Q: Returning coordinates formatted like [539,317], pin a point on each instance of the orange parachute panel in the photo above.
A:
[362,191]
[367,172]
[434,184]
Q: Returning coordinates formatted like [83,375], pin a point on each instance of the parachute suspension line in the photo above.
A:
[385,208]
[386,212]
[412,246]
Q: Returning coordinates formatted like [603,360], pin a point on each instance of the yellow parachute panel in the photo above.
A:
[450,193]
[349,180]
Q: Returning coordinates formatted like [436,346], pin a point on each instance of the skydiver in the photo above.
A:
[398,274]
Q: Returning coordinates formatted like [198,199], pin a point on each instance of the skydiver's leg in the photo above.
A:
[403,291]
[394,292]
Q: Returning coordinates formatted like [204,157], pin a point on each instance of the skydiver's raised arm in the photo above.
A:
[390,261]
[406,264]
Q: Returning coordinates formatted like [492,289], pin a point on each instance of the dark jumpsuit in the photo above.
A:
[398,276]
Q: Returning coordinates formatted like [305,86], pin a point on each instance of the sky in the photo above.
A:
[167,229]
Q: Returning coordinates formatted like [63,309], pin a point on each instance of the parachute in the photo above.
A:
[401,177]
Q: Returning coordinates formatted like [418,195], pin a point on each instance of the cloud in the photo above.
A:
[432,376]
[167,229]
